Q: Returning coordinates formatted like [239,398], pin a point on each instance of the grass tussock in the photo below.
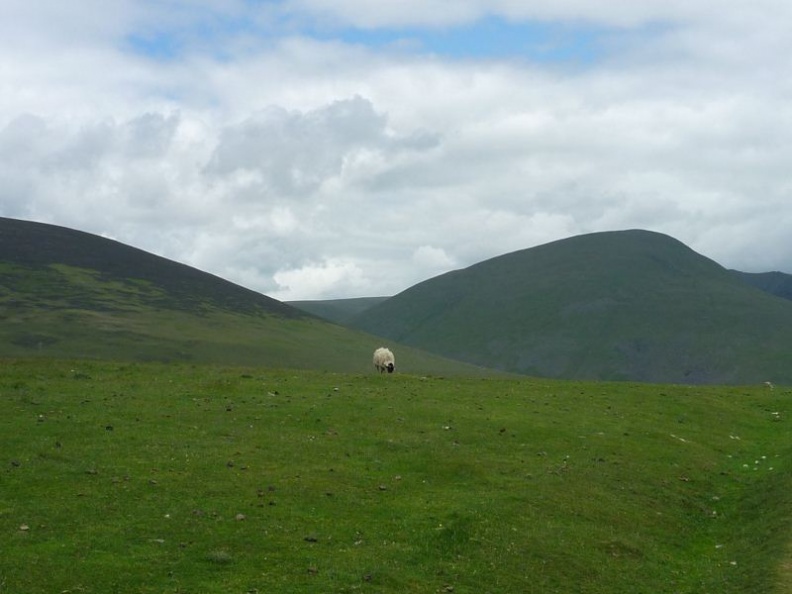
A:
[197,478]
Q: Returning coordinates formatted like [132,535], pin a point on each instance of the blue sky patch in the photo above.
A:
[490,38]
[155,45]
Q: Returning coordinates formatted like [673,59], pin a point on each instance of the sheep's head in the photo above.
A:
[390,367]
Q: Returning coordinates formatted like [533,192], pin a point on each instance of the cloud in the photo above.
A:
[449,13]
[312,149]
[293,153]
[316,281]
[427,256]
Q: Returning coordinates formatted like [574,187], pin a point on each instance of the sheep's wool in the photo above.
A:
[384,360]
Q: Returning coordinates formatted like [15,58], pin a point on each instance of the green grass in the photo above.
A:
[120,477]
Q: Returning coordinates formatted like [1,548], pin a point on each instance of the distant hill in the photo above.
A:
[339,311]
[66,293]
[625,305]
[344,311]
[775,283]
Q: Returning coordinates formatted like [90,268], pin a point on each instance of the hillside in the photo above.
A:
[65,293]
[627,305]
[775,283]
[344,311]
[161,282]
[339,311]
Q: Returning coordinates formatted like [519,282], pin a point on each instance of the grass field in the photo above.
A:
[120,477]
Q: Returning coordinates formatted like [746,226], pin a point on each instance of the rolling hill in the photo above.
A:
[344,311]
[339,311]
[158,282]
[66,293]
[775,283]
[624,305]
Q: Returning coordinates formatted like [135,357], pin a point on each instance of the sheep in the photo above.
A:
[384,360]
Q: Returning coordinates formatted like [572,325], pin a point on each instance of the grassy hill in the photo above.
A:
[339,311]
[151,478]
[775,283]
[623,305]
[629,305]
[151,280]
[64,293]
[344,311]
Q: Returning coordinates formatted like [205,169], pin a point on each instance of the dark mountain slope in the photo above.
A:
[775,283]
[68,294]
[625,305]
[38,245]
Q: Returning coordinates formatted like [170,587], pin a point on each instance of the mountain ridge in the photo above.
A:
[620,305]
[69,294]
[775,282]
[625,305]
[38,245]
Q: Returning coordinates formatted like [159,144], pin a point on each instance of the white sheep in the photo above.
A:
[384,360]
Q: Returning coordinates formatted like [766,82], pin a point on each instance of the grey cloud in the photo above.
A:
[149,135]
[144,137]
[37,142]
[94,171]
[23,140]
[420,140]
[24,144]
[292,153]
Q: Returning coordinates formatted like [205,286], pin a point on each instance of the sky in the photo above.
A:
[320,149]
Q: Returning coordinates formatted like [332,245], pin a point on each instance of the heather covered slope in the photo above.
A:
[64,293]
[37,246]
[620,305]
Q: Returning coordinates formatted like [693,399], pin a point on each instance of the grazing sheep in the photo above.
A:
[384,360]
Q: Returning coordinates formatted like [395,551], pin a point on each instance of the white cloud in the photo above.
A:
[428,256]
[307,166]
[319,280]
